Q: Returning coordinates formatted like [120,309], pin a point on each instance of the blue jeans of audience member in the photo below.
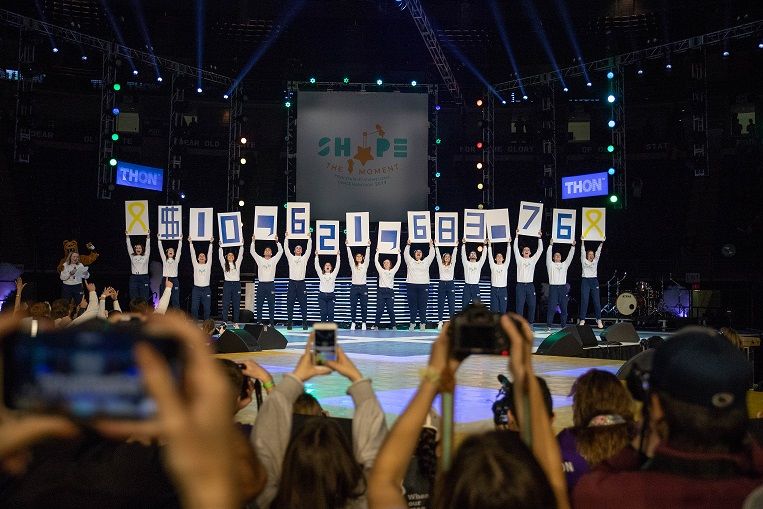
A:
[231,297]
[526,293]
[201,295]
[589,287]
[446,290]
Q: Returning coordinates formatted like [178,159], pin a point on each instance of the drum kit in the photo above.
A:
[645,299]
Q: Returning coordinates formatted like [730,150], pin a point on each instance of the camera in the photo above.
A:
[477,330]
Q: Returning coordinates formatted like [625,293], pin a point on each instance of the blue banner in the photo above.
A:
[136,175]
[581,186]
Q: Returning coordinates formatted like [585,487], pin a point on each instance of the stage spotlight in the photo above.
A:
[503,101]
[481,206]
[668,66]
[84,58]
[241,203]
[640,72]
[479,166]
[479,145]
[55,50]
[112,162]
[524,97]
[225,96]
[413,83]
[117,87]
[115,111]
[479,249]
[610,98]
[115,137]
[243,140]
[589,84]
[611,171]
[287,104]
[379,82]
[726,54]
[436,208]
[613,198]
[312,80]
[345,80]
[479,103]
[182,196]
[480,185]
[610,148]
[437,175]
[760,45]
[565,89]
[610,75]
[438,141]
[611,123]
[243,160]
[199,90]
[134,72]
[437,107]
[159,79]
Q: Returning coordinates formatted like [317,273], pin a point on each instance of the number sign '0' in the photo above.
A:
[201,224]
[446,228]
[298,220]
[474,225]
[136,217]
[593,222]
[419,227]
[170,222]
[358,229]
[389,237]
[563,226]
[230,228]
[326,237]
[498,225]
[530,218]
[265,222]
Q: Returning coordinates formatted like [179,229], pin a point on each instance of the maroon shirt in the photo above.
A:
[672,479]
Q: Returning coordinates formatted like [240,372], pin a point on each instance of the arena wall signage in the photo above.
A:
[136,175]
[582,186]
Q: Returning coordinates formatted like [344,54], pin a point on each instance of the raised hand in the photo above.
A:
[344,366]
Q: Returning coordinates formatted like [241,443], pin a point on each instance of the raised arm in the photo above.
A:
[221,257]
[515,247]
[397,263]
[209,252]
[407,254]
[598,252]
[287,250]
[568,260]
[582,251]
[179,250]
[193,253]
[161,252]
[464,259]
[539,251]
[317,266]
[349,257]
[336,267]
[147,249]
[549,254]
[92,307]
[367,258]
[279,252]
[240,259]
[378,266]
[430,255]
[309,248]
[253,252]
[164,301]
[490,259]
[129,244]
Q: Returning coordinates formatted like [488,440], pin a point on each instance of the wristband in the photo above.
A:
[268,385]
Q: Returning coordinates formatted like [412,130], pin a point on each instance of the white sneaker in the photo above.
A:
[423,326]
[412,326]
[363,327]
[439,325]
[599,324]
[352,327]
[582,322]
[374,327]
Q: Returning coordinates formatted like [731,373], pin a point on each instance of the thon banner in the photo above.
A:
[362,151]
[580,186]
[136,175]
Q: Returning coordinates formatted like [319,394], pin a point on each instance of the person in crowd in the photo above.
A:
[359,289]
[170,263]
[72,275]
[499,273]
[327,283]
[139,258]
[557,284]
[318,467]
[731,336]
[296,292]
[385,293]
[694,452]
[231,265]
[472,274]
[446,287]
[417,283]
[201,292]
[494,469]
[266,275]
[526,262]
[589,284]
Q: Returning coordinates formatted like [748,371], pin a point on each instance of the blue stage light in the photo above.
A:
[611,123]
[611,171]
[379,82]
[610,98]
[115,111]
[610,75]
[436,208]
[413,83]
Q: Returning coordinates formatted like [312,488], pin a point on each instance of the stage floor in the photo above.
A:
[392,359]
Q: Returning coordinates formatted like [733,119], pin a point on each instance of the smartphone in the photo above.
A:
[324,347]
[84,374]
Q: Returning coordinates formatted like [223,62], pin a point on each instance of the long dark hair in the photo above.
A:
[227,265]
[319,469]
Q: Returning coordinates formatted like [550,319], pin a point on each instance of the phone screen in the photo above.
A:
[325,345]
[84,374]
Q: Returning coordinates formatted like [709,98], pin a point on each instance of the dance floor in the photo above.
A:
[393,359]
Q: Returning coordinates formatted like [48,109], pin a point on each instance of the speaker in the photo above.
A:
[562,343]
[236,340]
[622,332]
[585,334]
[268,338]
[246,316]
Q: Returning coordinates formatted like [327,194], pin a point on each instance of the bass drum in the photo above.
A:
[628,303]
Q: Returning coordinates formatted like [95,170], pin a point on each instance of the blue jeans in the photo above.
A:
[385,299]
[139,286]
[526,293]
[70,292]
[499,299]
[589,287]
[175,295]
[446,290]
[266,291]
[557,295]
[326,305]
[296,293]
[417,301]
[201,295]
[231,296]
[359,293]
[471,294]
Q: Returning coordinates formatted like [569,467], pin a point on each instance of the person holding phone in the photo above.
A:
[201,292]
[327,278]
[359,289]
[296,291]
[139,259]
[71,276]
[170,262]
[446,287]
[417,283]
[231,265]
[266,275]
[525,277]
[385,294]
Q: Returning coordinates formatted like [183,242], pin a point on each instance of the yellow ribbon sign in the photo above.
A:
[593,216]
[136,209]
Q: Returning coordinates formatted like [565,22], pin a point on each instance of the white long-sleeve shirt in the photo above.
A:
[386,277]
[93,306]
[590,269]
[418,270]
[499,272]
[448,272]
[139,263]
[526,266]
[73,274]
[170,265]
[234,269]
[557,271]
[298,264]
[201,271]
[472,270]
[266,267]
[328,280]
[359,272]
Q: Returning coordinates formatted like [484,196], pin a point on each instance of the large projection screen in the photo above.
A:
[362,151]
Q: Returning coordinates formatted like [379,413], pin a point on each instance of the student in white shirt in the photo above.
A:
[557,283]
[472,273]
[327,278]
[446,288]
[71,276]
[266,275]
[139,268]
[417,283]
[589,285]
[201,292]
[499,274]
[231,265]
[297,268]
[385,294]
[359,289]
[170,261]
[525,275]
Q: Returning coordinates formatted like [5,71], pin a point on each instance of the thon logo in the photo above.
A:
[581,186]
[368,151]
[143,177]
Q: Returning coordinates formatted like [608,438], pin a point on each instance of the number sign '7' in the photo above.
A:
[530,218]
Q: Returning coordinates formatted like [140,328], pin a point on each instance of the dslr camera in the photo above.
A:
[477,330]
